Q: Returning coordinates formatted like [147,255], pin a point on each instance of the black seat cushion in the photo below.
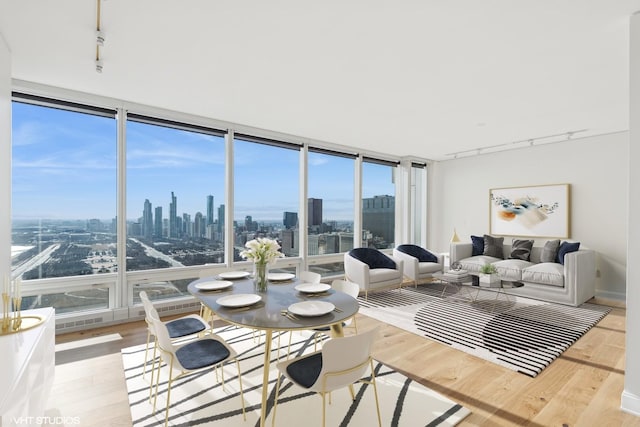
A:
[372,257]
[183,327]
[202,353]
[306,371]
[416,251]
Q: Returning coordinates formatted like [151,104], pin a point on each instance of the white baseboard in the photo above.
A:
[616,296]
[630,403]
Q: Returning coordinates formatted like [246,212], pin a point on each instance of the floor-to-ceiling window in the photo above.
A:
[64,178]
[378,203]
[266,192]
[175,191]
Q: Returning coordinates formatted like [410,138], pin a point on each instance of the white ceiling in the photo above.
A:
[421,78]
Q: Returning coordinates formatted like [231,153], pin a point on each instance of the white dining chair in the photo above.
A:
[349,288]
[340,363]
[209,351]
[307,276]
[182,327]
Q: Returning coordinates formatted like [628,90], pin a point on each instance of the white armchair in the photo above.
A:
[371,269]
[419,263]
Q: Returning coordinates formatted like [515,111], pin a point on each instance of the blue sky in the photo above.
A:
[64,167]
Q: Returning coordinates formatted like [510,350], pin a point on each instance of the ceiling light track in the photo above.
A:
[99,38]
[546,139]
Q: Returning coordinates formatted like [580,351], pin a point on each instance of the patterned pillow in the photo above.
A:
[477,243]
[565,248]
[550,251]
[521,249]
[493,246]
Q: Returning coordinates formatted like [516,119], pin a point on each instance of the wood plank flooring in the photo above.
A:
[580,388]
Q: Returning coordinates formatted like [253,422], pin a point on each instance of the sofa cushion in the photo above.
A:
[474,263]
[493,246]
[565,248]
[477,245]
[511,269]
[521,249]
[548,273]
[372,257]
[415,251]
[550,251]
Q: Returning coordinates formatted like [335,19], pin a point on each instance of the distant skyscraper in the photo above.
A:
[187,226]
[173,217]
[157,228]
[221,221]
[198,225]
[378,216]
[314,210]
[147,220]
[209,210]
[290,220]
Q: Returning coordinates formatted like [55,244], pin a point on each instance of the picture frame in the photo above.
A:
[532,211]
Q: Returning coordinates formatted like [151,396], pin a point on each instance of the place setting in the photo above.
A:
[239,302]
[313,289]
[303,309]
[212,286]
[280,277]
[234,275]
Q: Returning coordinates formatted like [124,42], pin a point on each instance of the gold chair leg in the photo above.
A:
[244,415]
[146,354]
[275,401]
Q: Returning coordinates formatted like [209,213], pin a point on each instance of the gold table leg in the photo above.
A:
[265,377]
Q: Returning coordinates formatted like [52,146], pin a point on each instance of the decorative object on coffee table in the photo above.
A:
[489,276]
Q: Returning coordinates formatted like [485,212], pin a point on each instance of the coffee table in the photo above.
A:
[459,283]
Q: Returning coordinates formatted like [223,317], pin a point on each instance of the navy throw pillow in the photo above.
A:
[373,258]
[477,243]
[565,248]
[415,251]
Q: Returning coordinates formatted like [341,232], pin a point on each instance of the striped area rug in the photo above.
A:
[199,399]
[518,333]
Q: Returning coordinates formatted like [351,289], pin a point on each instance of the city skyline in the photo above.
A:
[64,167]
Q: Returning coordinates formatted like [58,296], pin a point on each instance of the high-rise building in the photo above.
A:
[289,242]
[209,209]
[147,220]
[290,220]
[314,211]
[187,226]
[173,217]
[221,222]
[378,216]
[157,229]
[199,225]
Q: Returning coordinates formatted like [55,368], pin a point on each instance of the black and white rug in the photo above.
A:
[518,333]
[199,399]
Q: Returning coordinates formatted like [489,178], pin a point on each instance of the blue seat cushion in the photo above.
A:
[416,251]
[183,327]
[372,257]
[202,353]
[306,371]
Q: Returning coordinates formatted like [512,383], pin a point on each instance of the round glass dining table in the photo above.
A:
[267,313]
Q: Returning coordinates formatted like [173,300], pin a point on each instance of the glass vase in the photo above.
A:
[260,277]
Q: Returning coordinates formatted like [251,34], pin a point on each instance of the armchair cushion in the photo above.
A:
[373,258]
[415,251]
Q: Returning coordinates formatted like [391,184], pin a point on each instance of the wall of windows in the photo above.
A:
[76,167]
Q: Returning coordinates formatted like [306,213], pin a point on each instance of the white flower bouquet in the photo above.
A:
[262,251]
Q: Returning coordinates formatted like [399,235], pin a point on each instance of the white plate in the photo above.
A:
[234,274]
[279,277]
[213,285]
[312,288]
[311,308]
[238,300]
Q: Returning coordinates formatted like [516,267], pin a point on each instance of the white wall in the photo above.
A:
[5,159]
[597,170]
[630,400]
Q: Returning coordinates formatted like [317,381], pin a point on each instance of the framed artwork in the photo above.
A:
[540,211]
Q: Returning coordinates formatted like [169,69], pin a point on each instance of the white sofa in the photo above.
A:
[572,283]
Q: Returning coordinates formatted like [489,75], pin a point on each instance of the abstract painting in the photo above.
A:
[537,211]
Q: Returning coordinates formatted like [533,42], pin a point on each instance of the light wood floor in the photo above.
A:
[580,388]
